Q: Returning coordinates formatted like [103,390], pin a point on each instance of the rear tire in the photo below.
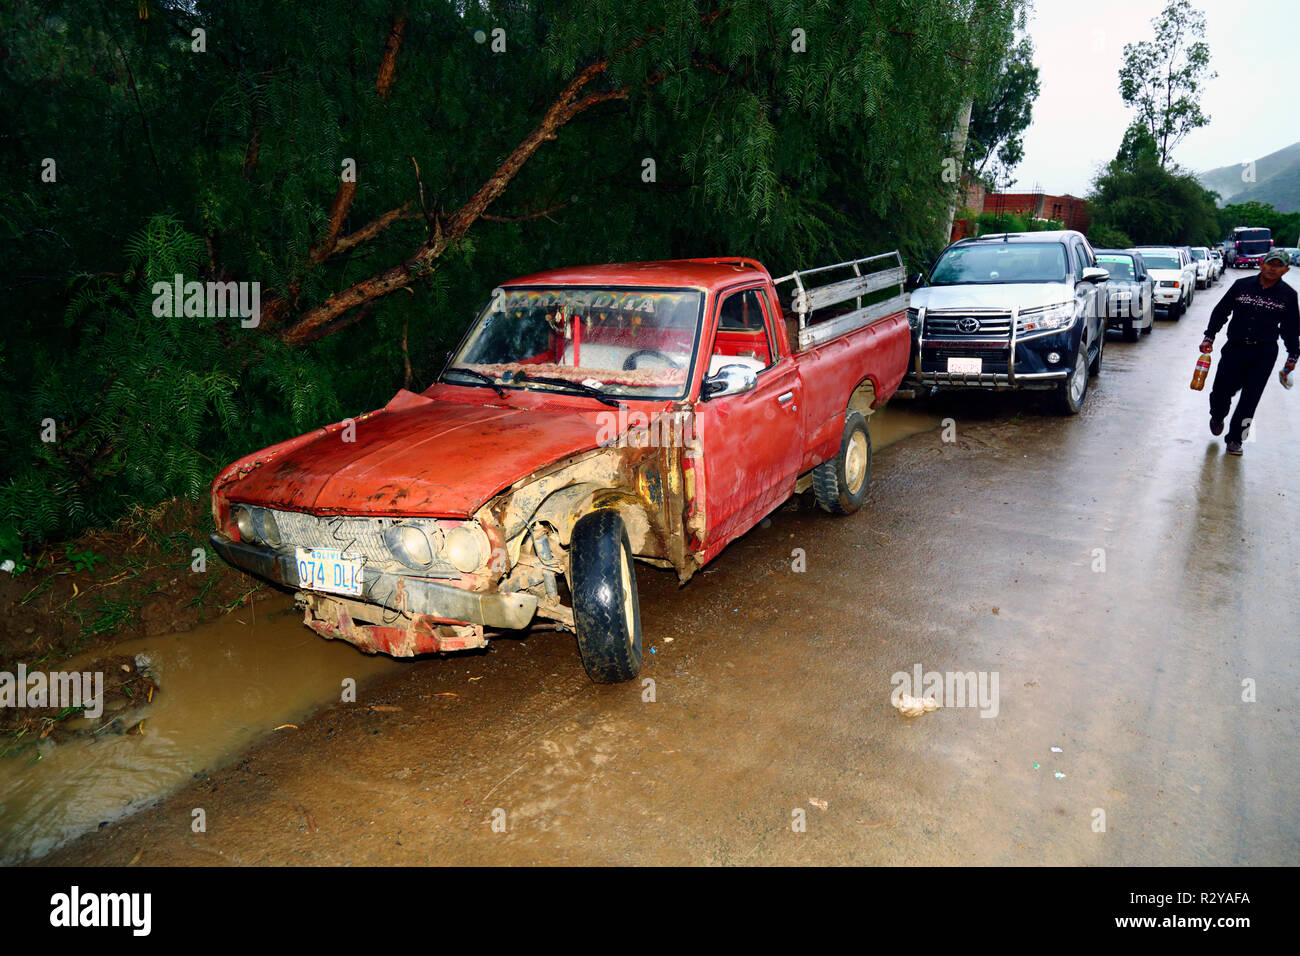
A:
[606,610]
[840,484]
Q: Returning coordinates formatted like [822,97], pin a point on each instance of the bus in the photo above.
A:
[1246,247]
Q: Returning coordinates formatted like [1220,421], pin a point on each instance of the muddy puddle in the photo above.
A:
[221,687]
[897,421]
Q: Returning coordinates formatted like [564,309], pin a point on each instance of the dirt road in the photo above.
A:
[1124,582]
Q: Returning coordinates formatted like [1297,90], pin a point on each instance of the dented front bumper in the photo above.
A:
[409,615]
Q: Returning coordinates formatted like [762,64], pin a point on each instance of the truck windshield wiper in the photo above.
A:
[480,376]
[583,387]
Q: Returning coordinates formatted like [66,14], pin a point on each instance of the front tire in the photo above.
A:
[840,484]
[1131,331]
[1071,392]
[606,610]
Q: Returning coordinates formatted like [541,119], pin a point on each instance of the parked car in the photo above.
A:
[1130,292]
[590,416]
[1011,311]
[1217,256]
[1174,276]
[1201,259]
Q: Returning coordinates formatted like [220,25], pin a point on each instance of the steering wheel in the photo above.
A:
[630,362]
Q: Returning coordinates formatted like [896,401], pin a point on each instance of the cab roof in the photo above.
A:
[707,275]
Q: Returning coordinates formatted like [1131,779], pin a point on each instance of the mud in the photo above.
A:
[1129,585]
[220,688]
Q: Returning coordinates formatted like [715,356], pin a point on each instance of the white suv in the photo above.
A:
[1174,275]
[1204,266]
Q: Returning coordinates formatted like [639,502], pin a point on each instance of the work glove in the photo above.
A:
[1207,346]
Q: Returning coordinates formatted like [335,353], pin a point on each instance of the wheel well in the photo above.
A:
[563,509]
[863,398]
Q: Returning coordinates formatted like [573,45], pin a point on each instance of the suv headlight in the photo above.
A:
[1046,319]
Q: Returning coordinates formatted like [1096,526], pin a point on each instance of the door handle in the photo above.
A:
[785,397]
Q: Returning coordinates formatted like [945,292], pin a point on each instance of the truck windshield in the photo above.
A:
[1119,267]
[1252,242]
[635,342]
[1000,262]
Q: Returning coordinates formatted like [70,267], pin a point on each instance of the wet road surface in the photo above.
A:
[1129,587]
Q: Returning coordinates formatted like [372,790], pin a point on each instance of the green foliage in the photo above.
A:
[146,407]
[1137,197]
[798,153]
[82,560]
[1285,225]
[1001,115]
[1102,236]
[1162,78]
[994,222]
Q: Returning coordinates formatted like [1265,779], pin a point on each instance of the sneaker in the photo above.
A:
[1216,426]
[1234,448]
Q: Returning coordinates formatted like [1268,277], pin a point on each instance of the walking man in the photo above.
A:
[1263,307]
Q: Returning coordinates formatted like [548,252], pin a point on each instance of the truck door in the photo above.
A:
[751,442]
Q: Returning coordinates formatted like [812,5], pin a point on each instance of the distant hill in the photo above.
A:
[1277,181]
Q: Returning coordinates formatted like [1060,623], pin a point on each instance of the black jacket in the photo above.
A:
[1259,313]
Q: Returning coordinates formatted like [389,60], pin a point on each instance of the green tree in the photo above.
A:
[1000,117]
[1135,195]
[1162,78]
[489,140]
[1107,237]
[1285,225]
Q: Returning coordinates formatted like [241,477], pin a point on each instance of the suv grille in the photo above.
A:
[970,323]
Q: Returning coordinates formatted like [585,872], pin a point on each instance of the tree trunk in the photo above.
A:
[959,151]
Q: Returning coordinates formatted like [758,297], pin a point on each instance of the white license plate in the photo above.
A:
[329,569]
[965,366]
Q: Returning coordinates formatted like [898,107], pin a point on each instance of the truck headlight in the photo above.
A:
[913,318]
[268,532]
[463,549]
[410,544]
[1047,318]
[243,519]
[256,524]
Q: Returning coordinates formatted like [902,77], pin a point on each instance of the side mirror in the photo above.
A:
[729,380]
[1094,275]
[914,281]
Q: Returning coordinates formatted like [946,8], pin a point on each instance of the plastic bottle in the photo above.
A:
[1202,371]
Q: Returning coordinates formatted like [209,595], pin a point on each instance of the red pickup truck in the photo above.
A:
[591,416]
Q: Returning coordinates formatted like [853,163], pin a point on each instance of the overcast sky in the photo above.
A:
[1079,118]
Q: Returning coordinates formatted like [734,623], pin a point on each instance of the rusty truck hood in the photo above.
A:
[419,456]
